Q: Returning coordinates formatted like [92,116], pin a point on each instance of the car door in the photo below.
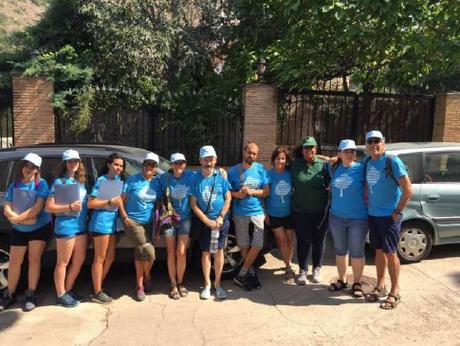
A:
[413,163]
[440,192]
[5,169]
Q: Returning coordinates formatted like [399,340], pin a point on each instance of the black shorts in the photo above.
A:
[19,238]
[286,222]
[205,237]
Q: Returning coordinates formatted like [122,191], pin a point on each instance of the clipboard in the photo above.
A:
[65,194]
[110,189]
[23,200]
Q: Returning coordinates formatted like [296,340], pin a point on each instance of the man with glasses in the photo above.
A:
[389,190]
[310,179]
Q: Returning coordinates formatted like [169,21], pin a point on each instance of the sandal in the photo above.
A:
[392,301]
[174,293]
[182,290]
[289,274]
[356,290]
[338,286]
[376,294]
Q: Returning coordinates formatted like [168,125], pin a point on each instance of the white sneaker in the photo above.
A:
[317,275]
[302,278]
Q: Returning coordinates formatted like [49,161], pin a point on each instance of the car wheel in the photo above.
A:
[232,258]
[415,242]
[4,263]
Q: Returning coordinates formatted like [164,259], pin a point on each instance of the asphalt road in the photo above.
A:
[279,313]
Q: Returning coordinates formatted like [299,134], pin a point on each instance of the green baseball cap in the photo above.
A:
[309,142]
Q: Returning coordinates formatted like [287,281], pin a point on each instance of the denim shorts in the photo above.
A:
[384,233]
[182,229]
[349,235]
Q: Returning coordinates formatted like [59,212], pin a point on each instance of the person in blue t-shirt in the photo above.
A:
[348,216]
[70,228]
[103,225]
[30,228]
[178,181]
[278,207]
[210,200]
[250,185]
[388,196]
[140,195]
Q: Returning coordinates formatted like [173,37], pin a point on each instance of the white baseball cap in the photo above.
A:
[33,158]
[207,150]
[374,134]
[70,155]
[177,157]
[152,157]
[347,144]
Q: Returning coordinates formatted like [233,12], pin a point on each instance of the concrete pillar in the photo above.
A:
[260,118]
[446,123]
[33,114]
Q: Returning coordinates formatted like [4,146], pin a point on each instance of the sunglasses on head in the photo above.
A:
[373,141]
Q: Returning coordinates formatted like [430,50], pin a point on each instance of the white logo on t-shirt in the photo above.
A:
[343,182]
[282,189]
[179,192]
[205,195]
[372,177]
[147,194]
[252,183]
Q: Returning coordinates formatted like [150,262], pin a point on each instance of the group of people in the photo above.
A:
[300,197]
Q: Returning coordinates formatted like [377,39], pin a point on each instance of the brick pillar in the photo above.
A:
[33,114]
[260,118]
[446,124]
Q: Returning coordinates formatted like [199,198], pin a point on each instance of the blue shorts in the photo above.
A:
[69,236]
[205,237]
[349,235]
[384,233]
[182,229]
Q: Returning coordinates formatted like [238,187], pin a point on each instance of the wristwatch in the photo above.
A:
[222,215]
[397,211]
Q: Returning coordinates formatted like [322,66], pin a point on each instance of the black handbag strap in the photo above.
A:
[210,195]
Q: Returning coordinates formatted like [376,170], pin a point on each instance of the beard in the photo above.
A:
[249,160]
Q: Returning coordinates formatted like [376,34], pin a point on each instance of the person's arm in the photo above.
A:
[31,212]
[52,207]
[96,203]
[202,216]
[8,211]
[227,203]
[406,187]
[261,193]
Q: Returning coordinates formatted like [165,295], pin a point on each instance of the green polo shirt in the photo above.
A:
[310,194]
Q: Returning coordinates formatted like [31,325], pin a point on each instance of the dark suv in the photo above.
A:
[93,156]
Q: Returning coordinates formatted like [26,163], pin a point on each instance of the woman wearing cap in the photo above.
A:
[103,225]
[140,193]
[348,216]
[178,180]
[70,228]
[31,228]
[278,207]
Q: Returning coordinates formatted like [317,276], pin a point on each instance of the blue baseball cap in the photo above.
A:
[347,144]
[207,151]
[374,134]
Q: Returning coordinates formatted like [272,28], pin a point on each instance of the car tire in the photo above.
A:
[232,258]
[415,242]
[4,261]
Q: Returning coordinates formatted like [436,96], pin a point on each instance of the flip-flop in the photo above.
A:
[174,294]
[392,301]
[182,290]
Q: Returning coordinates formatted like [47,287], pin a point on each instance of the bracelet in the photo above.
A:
[109,201]
[397,211]
[222,215]
[70,207]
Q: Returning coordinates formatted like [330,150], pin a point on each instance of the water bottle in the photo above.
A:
[214,241]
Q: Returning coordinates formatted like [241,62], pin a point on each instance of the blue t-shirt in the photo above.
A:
[278,203]
[41,191]
[254,177]
[68,225]
[102,221]
[180,189]
[384,193]
[347,185]
[201,190]
[142,195]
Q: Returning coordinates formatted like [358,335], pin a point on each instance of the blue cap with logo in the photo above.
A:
[207,151]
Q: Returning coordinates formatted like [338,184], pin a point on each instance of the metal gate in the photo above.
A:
[6,120]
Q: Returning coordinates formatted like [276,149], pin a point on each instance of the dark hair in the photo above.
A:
[110,159]
[280,150]
[20,176]
[80,174]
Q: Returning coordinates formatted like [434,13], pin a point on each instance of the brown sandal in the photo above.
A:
[392,301]
[357,290]
[376,294]
[182,290]
[174,293]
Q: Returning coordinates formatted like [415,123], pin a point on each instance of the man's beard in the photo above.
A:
[248,160]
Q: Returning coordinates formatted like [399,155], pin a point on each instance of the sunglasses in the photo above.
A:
[373,141]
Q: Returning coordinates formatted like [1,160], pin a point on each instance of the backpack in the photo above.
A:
[388,167]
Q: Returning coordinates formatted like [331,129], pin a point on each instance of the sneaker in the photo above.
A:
[302,278]
[317,275]
[205,293]
[67,301]
[140,294]
[243,281]
[254,281]
[221,293]
[76,296]
[7,300]
[289,274]
[31,300]
[101,297]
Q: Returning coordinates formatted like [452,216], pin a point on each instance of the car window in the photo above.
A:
[442,167]
[413,165]
[131,168]
[4,173]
